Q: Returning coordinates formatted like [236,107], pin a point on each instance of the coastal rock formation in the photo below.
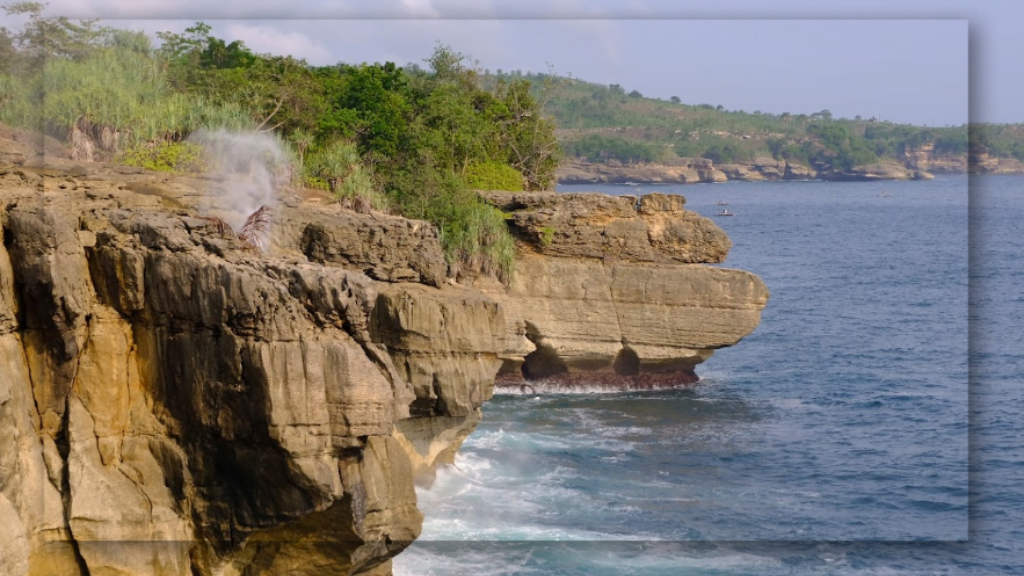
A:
[926,159]
[175,403]
[700,170]
[985,163]
[616,291]
[758,170]
[652,228]
[874,172]
[679,171]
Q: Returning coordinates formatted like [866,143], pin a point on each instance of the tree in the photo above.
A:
[675,99]
[47,36]
[528,136]
[176,47]
[445,63]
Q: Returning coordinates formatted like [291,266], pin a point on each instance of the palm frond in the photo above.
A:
[256,231]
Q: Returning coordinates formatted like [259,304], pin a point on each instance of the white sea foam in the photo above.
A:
[555,388]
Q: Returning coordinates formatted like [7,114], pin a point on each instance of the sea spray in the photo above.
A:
[249,167]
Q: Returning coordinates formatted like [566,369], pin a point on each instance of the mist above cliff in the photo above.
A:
[247,168]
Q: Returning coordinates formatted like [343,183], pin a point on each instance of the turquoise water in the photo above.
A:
[839,438]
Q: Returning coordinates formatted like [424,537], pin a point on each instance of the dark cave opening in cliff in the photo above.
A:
[626,363]
[543,363]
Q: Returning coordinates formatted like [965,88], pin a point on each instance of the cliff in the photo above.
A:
[701,170]
[174,402]
[985,163]
[616,292]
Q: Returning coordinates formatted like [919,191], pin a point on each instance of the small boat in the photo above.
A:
[720,203]
[725,212]
[884,194]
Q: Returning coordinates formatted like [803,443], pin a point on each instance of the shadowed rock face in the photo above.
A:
[614,292]
[173,403]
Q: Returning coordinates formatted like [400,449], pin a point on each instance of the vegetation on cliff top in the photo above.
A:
[411,140]
[604,123]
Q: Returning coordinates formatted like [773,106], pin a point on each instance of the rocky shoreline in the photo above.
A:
[177,403]
[700,170]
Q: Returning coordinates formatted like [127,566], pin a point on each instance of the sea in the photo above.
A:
[870,425]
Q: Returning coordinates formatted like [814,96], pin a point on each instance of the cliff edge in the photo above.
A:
[617,292]
[176,402]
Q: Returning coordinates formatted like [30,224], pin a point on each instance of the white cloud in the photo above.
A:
[264,39]
[419,8]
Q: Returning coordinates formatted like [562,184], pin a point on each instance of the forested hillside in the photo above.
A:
[604,123]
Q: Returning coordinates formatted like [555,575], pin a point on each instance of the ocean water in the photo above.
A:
[858,430]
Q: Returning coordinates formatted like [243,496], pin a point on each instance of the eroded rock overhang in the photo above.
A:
[617,291]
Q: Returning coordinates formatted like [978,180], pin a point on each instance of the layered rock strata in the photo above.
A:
[174,403]
[617,291]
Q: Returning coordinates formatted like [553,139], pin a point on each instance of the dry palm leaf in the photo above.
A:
[256,231]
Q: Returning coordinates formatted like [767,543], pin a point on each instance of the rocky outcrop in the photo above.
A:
[652,228]
[383,247]
[761,169]
[175,403]
[680,171]
[985,163]
[926,159]
[616,292]
[699,170]
[873,172]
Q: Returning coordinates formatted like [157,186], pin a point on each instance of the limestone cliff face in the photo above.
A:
[173,403]
[616,291]
[980,162]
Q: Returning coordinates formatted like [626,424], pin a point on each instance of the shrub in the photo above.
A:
[476,239]
[547,235]
[493,176]
[339,166]
[115,88]
[166,156]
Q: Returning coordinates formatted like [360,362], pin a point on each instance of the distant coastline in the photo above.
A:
[700,170]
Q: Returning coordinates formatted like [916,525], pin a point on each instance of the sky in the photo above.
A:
[934,62]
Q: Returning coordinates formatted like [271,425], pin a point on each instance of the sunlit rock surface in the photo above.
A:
[173,402]
[615,292]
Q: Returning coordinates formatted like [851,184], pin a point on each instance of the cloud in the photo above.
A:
[419,8]
[267,40]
